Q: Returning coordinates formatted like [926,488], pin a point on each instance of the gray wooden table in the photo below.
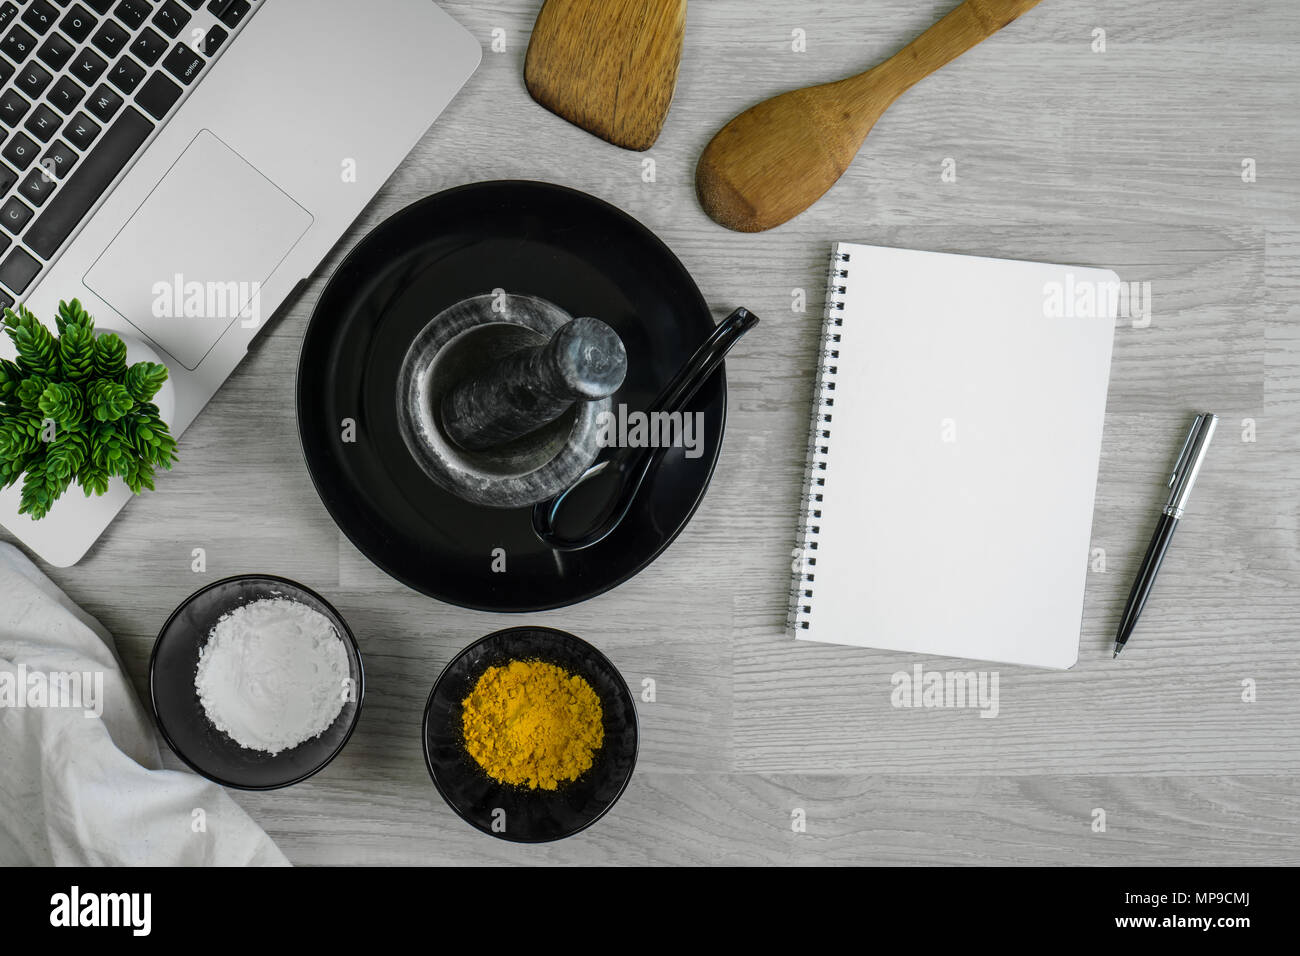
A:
[1131,159]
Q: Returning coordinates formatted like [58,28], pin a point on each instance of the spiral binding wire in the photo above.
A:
[805,571]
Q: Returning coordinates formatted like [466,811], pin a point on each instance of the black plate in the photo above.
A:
[179,712]
[530,816]
[584,255]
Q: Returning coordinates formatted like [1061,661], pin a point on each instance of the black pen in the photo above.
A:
[1180,484]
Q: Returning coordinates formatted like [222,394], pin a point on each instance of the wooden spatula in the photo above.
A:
[609,66]
[776,159]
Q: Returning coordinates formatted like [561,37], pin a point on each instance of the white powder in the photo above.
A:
[273,674]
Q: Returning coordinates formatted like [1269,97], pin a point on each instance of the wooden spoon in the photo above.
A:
[776,159]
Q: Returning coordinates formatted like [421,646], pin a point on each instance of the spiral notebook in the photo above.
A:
[956,438]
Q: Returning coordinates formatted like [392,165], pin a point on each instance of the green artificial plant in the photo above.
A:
[72,410]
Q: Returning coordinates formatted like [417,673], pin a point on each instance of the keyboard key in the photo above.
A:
[7,13]
[148,47]
[13,108]
[33,79]
[15,214]
[81,131]
[100,6]
[19,270]
[7,179]
[171,18]
[18,44]
[213,39]
[126,75]
[103,104]
[235,12]
[55,52]
[66,95]
[43,123]
[20,151]
[158,96]
[132,12]
[88,66]
[183,63]
[87,184]
[59,159]
[194,4]
[40,16]
[6,301]
[111,38]
[6,70]
[78,23]
[38,185]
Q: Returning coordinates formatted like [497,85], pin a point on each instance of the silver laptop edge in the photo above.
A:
[281,144]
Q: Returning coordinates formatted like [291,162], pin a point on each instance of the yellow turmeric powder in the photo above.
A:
[529,723]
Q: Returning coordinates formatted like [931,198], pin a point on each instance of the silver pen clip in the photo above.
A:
[1189,463]
[1182,455]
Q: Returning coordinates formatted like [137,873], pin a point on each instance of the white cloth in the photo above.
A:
[90,791]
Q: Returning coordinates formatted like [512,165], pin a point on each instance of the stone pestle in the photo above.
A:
[584,361]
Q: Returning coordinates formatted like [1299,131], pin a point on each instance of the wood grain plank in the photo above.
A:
[745,819]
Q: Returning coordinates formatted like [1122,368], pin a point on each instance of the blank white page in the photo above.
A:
[962,460]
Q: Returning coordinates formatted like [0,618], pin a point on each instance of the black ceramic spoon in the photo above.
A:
[635,464]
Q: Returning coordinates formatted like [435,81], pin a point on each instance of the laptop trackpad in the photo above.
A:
[193,258]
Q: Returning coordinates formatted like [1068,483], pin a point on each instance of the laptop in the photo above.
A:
[183,166]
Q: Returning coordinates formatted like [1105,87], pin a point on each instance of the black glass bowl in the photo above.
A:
[180,715]
[530,816]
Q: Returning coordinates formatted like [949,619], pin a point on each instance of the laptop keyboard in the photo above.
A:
[83,86]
